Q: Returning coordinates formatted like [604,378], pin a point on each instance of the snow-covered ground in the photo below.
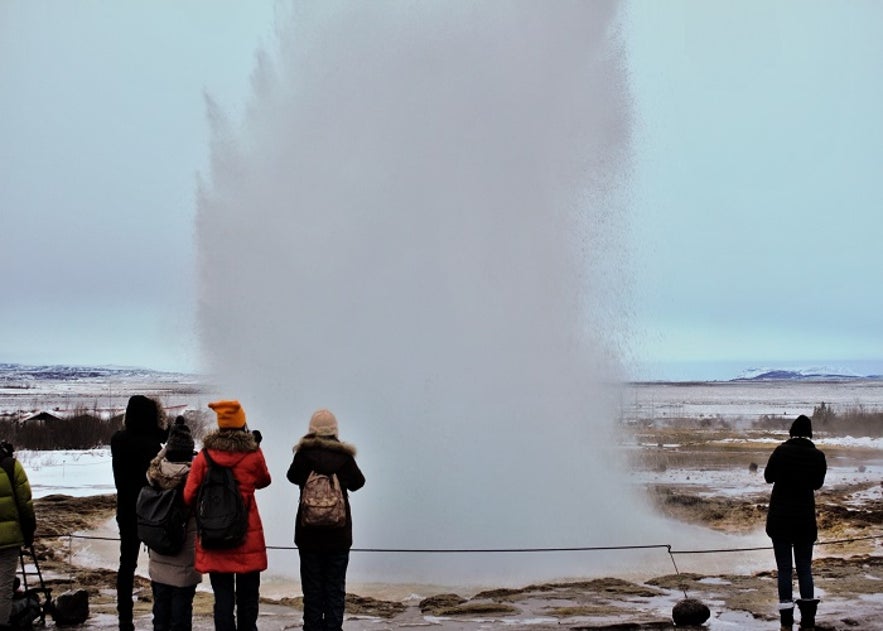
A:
[745,400]
[736,482]
[732,483]
[80,473]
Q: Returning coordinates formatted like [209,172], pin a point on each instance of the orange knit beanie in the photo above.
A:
[230,414]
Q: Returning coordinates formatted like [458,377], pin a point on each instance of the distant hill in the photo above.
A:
[803,374]
[58,372]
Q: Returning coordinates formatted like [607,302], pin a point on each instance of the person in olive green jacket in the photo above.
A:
[17,524]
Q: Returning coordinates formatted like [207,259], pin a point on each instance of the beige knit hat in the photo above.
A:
[323,423]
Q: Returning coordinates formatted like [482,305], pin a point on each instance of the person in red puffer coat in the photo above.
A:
[234,572]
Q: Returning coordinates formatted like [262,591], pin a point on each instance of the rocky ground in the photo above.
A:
[849,575]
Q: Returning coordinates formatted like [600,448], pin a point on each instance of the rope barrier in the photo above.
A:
[666,546]
[671,552]
[818,543]
[503,550]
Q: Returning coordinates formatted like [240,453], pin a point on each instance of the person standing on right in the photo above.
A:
[132,448]
[324,550]
[796,469]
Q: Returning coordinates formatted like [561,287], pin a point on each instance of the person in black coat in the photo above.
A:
[796,469]
[132,448]
[324,550]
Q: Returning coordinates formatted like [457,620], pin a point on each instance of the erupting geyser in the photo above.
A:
[418,225]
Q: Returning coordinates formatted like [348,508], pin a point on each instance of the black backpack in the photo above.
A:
[221,514]
[162,519]
[26,610]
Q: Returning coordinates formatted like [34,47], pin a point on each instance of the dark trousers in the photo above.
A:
[129,548]
[172,607]
[323,581]
[236,600]
[802,561]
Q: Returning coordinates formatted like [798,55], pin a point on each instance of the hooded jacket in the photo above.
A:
[327,455]
[14,514]
[173,569]
[132,448]
[238,450]
[796,469]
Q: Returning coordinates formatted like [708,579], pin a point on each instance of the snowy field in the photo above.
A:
[80,473]
[735,400]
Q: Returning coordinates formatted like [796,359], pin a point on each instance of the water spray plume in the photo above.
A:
[419,226]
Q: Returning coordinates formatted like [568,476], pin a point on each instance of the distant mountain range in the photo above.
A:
[802,374]
[20,372]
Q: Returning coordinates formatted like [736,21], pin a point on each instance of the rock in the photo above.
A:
[367,606]
[690,613]
[439,602]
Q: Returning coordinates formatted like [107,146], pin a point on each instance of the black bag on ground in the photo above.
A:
[70,608]
[221,513]
[27,610]
[162,519]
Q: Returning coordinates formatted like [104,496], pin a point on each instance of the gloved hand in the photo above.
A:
[28,528]
[257,436]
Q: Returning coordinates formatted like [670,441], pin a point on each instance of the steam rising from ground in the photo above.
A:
[419,227]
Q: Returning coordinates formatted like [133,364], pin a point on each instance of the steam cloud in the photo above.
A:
[419,226]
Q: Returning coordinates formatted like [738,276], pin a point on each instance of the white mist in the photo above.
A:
[419,226]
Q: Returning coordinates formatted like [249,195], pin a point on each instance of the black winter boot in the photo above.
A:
[786,616]
[808,609]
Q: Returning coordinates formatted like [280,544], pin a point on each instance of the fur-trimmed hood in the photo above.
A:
[324,442]
[165,474]
[234,440]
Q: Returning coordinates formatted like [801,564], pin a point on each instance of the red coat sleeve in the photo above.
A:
[261,472]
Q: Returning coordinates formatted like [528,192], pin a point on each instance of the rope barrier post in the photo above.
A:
[70,556]
[677,571]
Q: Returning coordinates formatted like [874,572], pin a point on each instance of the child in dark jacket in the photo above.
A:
[324,550]
[173,577]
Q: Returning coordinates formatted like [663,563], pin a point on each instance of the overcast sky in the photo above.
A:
[755,204]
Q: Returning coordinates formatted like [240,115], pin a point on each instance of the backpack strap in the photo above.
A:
[335,481]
